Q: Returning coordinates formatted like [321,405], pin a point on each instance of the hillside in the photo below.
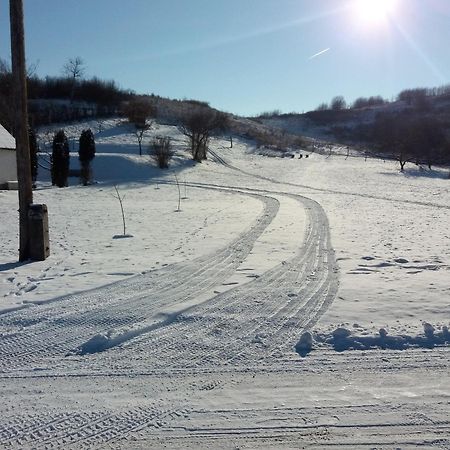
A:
[186,333]
[350,126]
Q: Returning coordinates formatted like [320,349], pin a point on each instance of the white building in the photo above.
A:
[8,165]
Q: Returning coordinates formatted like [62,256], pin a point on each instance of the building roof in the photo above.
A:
[6,140]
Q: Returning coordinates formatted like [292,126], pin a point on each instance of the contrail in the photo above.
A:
[320,53]
[239,38]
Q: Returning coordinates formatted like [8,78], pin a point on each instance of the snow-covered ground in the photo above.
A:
[184,334]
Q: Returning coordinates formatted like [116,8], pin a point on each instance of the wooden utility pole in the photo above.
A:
[21,124]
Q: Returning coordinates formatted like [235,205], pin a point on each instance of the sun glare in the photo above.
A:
[374,11]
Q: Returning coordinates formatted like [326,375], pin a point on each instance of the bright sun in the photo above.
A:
[374,11]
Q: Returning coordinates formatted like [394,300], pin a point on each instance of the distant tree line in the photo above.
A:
[93,90]
[363,102]
[104,96]
[413,138]
[412,97]
[92,97]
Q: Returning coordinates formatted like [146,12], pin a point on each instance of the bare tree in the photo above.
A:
[338,103]
[121,198]
[179,194]
[74,69]
[198,126]
[139,133]
[139,111]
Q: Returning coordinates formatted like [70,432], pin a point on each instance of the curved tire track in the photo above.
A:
[281,303]
[55,329]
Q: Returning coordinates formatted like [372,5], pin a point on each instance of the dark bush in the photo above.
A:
[161,151]
[86,153]
[60,159]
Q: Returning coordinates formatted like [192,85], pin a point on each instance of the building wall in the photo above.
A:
[8,166]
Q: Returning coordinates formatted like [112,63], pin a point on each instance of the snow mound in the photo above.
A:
[305,344]
[341,339]
[341,333]
[95,344]
[104,341]
[115,337]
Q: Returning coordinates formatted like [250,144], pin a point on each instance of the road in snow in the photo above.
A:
[200,352]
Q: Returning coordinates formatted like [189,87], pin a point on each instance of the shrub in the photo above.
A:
[86,153]
[161,151]
[60,159]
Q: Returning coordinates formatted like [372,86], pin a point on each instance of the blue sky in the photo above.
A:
[242,56]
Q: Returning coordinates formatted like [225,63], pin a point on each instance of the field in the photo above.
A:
[184,334]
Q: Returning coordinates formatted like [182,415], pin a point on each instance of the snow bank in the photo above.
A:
[341,339]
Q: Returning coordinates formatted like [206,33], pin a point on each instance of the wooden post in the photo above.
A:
[21,124]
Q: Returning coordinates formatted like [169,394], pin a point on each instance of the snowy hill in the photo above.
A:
[344,126]
[185,333]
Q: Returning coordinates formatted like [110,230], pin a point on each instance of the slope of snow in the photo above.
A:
[184,335]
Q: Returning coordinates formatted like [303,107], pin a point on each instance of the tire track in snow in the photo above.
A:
[156,424]
[55,329]
[223,162]
[319,293]
[90,429]
[82,429]
[281,303]
[118,428]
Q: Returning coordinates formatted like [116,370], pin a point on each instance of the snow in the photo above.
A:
[6,140]
[343,339]
[186,333]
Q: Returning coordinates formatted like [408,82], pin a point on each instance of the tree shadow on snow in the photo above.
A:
[111,169]
[420,172]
